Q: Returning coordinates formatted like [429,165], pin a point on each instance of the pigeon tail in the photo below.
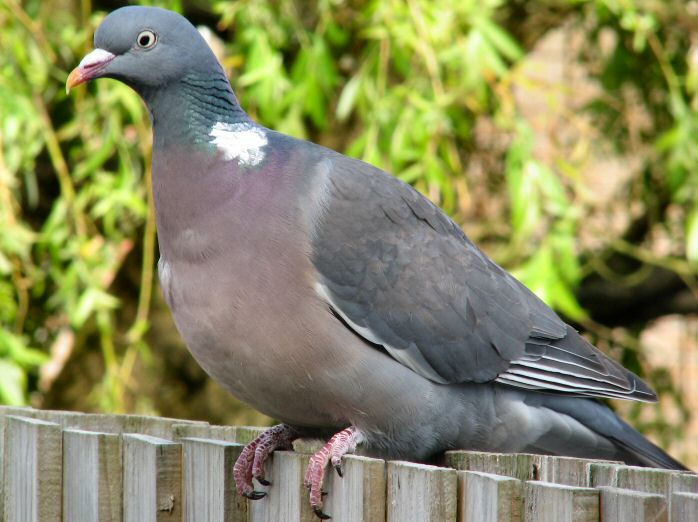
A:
[631,446]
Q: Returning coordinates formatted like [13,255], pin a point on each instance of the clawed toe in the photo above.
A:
[339,445]
[250,463]
[255,495]
[263,481]
[320,514]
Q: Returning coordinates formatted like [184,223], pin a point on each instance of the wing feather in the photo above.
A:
[403,275]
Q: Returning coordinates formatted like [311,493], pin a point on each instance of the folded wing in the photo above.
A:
[404,276]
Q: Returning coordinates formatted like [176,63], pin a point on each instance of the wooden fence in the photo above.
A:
[74,467]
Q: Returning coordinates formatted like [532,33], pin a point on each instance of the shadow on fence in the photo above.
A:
[75,467]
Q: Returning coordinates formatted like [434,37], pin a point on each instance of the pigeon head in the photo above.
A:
[146,48]
[162,56]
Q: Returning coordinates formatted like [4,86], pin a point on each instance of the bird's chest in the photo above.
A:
[233,285]
[236,273]
[222,232]
[227,296]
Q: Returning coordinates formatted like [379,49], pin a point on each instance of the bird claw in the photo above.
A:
[255,495]
[320,514]
[339,445]
[250,463]
[262,481]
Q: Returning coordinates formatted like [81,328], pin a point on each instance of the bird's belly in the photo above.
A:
[287,356]
[259,346]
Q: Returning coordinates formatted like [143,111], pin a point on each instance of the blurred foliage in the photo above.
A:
[431,91]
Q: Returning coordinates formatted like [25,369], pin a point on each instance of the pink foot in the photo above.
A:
[339,445]
[250,463]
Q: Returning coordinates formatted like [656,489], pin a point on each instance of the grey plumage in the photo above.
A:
[327,293]
[437,303]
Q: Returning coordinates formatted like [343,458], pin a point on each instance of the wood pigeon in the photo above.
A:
[332,296]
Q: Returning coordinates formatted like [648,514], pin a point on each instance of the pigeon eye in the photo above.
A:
[146,39]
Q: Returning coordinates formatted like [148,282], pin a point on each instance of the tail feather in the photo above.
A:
[642,452]
[632,447]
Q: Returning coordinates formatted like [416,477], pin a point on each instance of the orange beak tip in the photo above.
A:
[74,78]
[91,66]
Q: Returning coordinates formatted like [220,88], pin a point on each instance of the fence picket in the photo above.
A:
[33,477]
[92,476]
[360,494]
[522,466]
[622,505]
[483,497]
[287,497]
[421,492]
[209,488]
[546,502]
[152,479]
[684,507]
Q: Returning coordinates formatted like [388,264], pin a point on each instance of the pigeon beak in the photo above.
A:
[90,67]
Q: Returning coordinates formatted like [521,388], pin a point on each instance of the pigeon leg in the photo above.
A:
[250,463]
[339,445]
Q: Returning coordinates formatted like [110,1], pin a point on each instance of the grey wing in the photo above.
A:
[404,276]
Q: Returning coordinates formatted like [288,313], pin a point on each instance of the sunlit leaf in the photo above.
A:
[12,383]
[348,97]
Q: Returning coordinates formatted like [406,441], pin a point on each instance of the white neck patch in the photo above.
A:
[241,141]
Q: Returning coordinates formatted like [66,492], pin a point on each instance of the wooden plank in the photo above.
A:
[246,434]
[5,411]
[92,476]
[32,463]
[360,494]
[659,481]
[420,492]
[546,502]
[623,505]
[205,431]
[686,482]
[602,474]
[155,426]
[287,497]
[522,466]
[160,427]
[66,419]
[308,445]
[565,470]
[569,470]
[152,479]
[483,497]
[209,488]
[649,480]
[17,411]
[684,507]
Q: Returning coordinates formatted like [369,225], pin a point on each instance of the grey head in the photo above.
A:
[146,47]
[162,56]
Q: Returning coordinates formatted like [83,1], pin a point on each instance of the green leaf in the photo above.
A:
[13,383]
[347,99]
[91,300]
[499,38]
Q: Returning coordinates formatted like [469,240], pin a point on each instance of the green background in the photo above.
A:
[559,134]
